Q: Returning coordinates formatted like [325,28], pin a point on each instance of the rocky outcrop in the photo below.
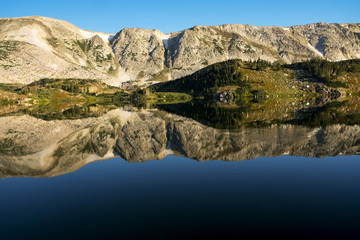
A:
[140,52]
[192,49]
[331,41]
[32,48]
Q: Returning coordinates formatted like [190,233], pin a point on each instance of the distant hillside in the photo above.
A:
[32,48]
[316,75]
[207,80]
[150,54]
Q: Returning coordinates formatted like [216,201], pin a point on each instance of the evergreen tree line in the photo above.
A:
[208,80]
[263,65]
[325,70]
[45,112]
[209,113]
[326,115]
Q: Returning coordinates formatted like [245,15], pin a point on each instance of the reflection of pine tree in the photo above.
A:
[210,114]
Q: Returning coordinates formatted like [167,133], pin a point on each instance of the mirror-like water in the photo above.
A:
[302,181]
[178,198]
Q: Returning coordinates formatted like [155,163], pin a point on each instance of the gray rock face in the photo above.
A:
[334,41]
[192,49]
[140,52]
[32,48]
[33,147]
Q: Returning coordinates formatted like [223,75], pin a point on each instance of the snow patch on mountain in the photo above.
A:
[315,50]
[104,36]
[165,39]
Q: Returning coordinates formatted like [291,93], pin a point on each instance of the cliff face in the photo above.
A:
[32,48]
[38,148]
[192,49]
[140,52]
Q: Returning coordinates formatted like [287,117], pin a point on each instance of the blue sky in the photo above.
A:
[169,16]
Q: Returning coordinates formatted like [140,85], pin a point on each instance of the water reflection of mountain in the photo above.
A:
[38,148]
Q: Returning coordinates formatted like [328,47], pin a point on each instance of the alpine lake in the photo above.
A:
[283,168]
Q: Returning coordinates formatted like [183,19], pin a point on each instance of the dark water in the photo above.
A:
[179,198]
[51,188]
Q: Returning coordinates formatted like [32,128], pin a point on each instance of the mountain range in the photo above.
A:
[33,48]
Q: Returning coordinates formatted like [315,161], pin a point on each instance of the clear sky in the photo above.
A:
[169,16]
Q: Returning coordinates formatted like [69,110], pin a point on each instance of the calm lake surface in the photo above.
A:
[289,173]
[178,198]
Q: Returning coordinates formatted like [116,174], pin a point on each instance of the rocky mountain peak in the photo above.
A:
[192,49]
[32,48]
